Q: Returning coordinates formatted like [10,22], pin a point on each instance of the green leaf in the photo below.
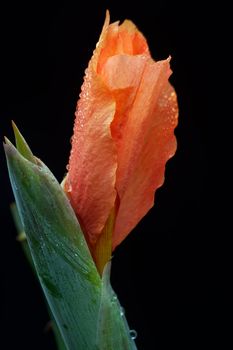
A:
[23,240]
[22,145]
[17,222]
[65,268]
[85,309]
[113,331]
[21,237]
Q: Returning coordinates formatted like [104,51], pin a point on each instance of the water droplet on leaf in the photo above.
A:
[133,334]
[122,311]
[114,298]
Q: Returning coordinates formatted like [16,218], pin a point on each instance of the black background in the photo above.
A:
[162,271]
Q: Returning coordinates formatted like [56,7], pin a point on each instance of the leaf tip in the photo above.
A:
[6,141]
[9,148]
[22,145]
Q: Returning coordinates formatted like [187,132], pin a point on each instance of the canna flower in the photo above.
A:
[123,137]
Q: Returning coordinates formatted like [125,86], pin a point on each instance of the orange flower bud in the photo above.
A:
[123,136]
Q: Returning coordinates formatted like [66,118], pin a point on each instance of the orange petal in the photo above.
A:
[100,44]
[124,87]
[123,39]
[146,144]
[90,183]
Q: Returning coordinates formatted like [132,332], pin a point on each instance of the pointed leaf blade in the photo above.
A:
[61,257]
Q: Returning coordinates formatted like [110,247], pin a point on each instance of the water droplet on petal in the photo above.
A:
[133,334]
[69,188]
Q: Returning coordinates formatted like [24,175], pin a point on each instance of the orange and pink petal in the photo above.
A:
[91,178]
[147,142]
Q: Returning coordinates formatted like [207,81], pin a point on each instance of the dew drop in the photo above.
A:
[122,311]
[133,334]
[114,298]
[69,189]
